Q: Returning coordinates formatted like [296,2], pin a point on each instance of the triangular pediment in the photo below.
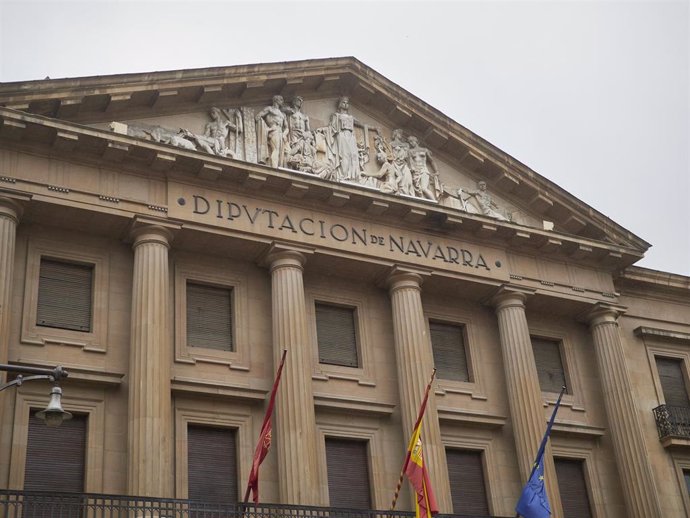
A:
[386,140]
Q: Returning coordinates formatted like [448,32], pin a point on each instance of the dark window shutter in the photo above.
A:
[209,317]
[212,464]
[672,381]
[336,335]
[547,355]
[56,457]
[64,295]
[466,475]
[686,475]
[573,488]
[448,344]
[348,474]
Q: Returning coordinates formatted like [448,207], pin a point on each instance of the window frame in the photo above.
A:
[209,275]
[585,452]
[463,332]
[355,320]
[94,340]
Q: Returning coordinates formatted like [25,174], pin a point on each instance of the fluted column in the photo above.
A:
[627,435]
[295,417]
[415,361]
[10,212]
[524,393]
[150,422]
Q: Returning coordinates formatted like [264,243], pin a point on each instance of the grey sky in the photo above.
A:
[593,95]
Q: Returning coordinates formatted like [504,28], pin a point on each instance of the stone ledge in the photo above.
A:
[662,334]
[352,405]
[214,388]
[471,417]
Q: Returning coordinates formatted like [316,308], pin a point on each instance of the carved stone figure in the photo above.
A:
[424,171]
[272,130]
[484,201]
[343,152]
[298,122]
[395,176]
[215,137]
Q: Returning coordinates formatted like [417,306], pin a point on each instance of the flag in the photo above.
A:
[414,468]
[533,502]
[264,439]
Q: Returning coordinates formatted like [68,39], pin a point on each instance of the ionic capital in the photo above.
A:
[151,234]
[285,256]
[10,209]
[509,296]
[604,314]
[400,278]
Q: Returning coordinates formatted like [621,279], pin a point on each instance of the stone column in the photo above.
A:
[295,416]
[524,393]
[10,212]
[150,422]
[630,449]
[415,361]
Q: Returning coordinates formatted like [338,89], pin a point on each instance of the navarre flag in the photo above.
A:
[264,439]
[533,502]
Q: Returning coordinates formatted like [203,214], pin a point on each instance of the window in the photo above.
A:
[466,475]
[573,488]
[54,468]
[64,295]
[336,335]
[672,381]
[212,464]
[547,356]
[209,317]
[348,473]
[686,476]
[448,344]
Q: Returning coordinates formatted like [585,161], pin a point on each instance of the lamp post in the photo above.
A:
[53,414]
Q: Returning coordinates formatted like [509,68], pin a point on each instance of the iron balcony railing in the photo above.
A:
[672,421]
[35,504]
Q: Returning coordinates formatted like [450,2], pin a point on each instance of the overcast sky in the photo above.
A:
[593,95]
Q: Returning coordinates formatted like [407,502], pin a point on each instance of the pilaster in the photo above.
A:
[295,415]
[630,449]
[150,421]
[415,362]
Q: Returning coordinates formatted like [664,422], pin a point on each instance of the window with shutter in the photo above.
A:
[65,295]
[212,464]
[466,475]
[573,488]
[348,473]
[336,335]
[448,345]
[672,381]
[686,476]
[209,317]
[547,356]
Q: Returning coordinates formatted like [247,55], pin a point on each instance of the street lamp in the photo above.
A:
[53,414]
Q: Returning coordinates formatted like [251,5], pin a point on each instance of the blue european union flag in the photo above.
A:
[533,501]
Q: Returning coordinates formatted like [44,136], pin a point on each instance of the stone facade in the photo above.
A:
[322,182]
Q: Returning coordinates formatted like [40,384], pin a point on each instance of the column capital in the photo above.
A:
[151,234]
[603,313]
[400,277]
[510,295]
[11,209]
[283,255]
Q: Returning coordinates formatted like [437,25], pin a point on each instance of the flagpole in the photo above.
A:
[407,456]
[542,446]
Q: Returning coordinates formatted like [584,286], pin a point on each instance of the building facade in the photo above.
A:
[166,236]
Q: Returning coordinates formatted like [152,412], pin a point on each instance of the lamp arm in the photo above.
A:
[21,379]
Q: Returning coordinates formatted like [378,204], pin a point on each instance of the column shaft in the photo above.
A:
[150,422]
[626,430]
[415,361]
[524,393]
[295,416]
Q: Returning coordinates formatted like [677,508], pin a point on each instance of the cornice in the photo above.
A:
[38,134]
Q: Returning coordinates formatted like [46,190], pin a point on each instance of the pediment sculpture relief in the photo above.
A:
[280,135]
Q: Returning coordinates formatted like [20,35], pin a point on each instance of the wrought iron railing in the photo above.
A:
[35,504]
[672,421]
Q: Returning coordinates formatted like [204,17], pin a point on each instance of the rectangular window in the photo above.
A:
[672,381]
[686,476]
[209,317]
[65,295]
[573,488]
[348,473]
[212,464]
[448,344]
[466,475]
[547,356]
[336,335]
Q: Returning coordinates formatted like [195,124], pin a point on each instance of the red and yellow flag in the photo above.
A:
[425,506]
[264,440]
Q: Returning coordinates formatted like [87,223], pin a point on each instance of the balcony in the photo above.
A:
[35,504]
[673,425]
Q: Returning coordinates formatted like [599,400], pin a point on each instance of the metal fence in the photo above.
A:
[35,504]
[672,421]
